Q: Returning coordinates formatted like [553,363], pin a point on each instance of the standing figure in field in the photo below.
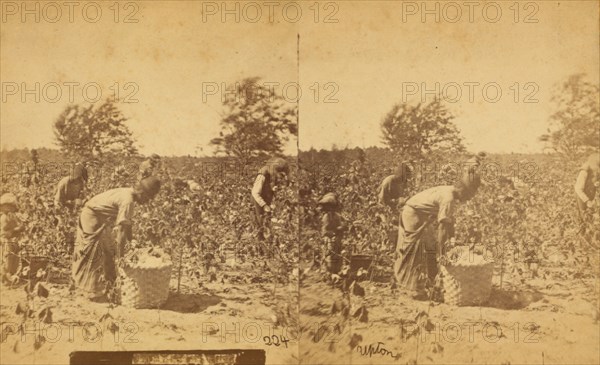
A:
[69,189]
[96,249]
[32,176]
[418,248]
[10,231]
[263,191]
[394,187]
[476,160]
[586,188]
[331,231]
[149,166]
[359,168]
[393,193]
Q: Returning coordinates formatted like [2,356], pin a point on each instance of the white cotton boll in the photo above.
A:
[274,319]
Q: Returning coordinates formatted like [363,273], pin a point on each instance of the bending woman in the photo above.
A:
[95,248]
[418,247]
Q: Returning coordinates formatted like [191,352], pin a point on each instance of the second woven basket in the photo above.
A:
[145,283]
[467,282]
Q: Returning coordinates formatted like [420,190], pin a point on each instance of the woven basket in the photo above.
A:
[467,282]
[143,285]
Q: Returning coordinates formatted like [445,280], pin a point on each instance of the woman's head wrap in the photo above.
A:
[329,200]
[274,167]
[468,184]
[149,186]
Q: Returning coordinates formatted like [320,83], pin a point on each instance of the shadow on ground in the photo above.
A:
[512,299]
[190,303]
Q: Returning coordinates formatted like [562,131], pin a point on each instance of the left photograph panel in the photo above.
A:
[149,184]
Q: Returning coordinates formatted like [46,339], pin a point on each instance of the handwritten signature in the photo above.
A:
[373,349]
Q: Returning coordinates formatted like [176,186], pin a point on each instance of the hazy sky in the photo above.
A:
[372,52]
[169,54]
[365,61]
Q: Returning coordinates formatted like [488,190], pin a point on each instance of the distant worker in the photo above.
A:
[148,166]
[586,187]
[69,189]
[32,168]
[476,161]
[394,187]
[11,229]
[359,168]
[263,191]
[331,232]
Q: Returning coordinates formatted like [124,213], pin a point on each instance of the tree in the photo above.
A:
[575,126]
[256,122]
[414,131]
[93,131]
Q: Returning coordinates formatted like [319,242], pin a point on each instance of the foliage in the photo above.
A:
[204,226]
[93,131]
[520,216]
[256,122]
[415,131]
[575,126]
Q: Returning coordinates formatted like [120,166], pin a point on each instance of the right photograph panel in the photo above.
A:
[448,177]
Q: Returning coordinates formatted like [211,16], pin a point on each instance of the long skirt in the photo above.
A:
[415,264]
[94,255]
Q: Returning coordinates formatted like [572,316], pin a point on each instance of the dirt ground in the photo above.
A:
[230,313]
[547,321]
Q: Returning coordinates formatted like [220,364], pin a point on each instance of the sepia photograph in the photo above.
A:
[452,218]
[148,185]
[300,182]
